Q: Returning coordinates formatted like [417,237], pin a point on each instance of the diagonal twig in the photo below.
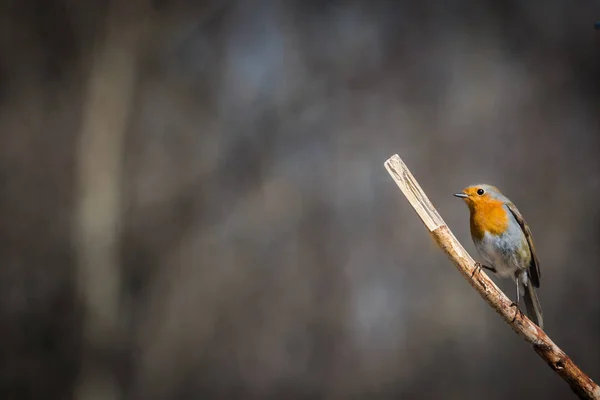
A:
[580,383]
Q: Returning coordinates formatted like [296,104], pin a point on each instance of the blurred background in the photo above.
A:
[194,204]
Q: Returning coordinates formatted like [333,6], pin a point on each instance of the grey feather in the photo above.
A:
[533,306]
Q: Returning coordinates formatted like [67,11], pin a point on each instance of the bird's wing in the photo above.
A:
[534,266]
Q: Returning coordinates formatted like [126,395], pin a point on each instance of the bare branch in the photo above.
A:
[580,383]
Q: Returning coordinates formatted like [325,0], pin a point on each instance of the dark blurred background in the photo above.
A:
[194,205]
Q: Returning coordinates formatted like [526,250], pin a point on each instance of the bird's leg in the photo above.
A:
[479,266]
[517,310]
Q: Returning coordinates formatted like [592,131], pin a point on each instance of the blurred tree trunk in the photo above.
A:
[111,88]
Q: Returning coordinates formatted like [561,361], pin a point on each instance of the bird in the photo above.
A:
[504,241]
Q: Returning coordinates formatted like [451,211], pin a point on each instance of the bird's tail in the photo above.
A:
[532,303]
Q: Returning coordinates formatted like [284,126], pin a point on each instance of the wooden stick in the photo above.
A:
[580,383]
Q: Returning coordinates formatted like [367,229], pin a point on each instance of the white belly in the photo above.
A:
[504,253]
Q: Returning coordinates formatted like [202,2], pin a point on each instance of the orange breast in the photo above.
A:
[488,216]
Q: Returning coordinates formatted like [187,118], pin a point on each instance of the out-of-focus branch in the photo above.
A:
[580,383]
[98,209]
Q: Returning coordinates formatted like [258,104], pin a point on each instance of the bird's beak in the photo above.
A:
[461,195]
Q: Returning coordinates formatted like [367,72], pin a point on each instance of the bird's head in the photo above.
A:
[481,195]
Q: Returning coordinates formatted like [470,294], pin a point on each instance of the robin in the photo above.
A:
[504,240]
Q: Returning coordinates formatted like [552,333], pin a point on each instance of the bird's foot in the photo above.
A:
[517,311]
[478,267]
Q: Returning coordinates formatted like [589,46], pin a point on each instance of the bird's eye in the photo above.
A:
[480,191]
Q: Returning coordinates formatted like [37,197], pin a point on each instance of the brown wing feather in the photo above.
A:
[534,266]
